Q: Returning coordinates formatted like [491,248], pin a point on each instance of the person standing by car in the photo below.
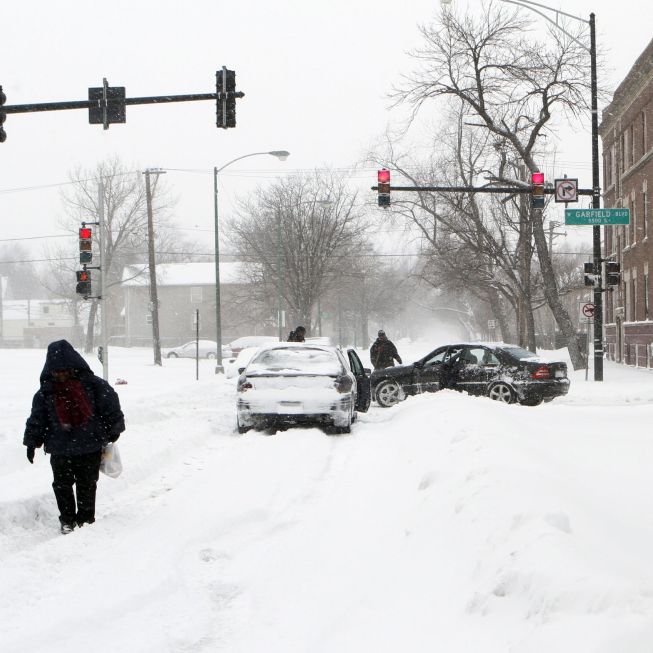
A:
[383,352]
[74,415]
[298,335]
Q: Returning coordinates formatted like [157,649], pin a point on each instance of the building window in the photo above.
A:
[45,309]
[646,296]
[645,213]
[643,127]
[631,144]
[633,217]
[196,294]
[148,318]
[633,301]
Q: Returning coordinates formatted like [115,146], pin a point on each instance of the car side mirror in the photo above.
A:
[367,370]
[419,364]
[241,370]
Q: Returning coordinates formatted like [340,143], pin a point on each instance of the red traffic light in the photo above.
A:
[85,233]
[383,176]
[537,178]
[83,275]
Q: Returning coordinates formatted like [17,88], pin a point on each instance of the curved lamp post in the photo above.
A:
[282,155]
[596,187]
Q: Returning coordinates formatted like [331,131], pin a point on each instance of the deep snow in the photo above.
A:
[447,523]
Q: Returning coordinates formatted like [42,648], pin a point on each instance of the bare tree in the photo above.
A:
[125,217]
[298,233]
[512,85]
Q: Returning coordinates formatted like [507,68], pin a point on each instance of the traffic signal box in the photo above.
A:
[537,190]
[588,273]
[3,117]
[383,185]
[226,103]
[85,257]
[612,273]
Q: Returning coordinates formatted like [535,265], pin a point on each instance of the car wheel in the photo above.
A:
[535,401]
[501,392]
[388,393]
[172,355]
[211,355]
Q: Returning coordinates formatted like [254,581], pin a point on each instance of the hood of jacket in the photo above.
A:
[62,356]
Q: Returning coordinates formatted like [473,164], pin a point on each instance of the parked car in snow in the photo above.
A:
[250,341]
[238,362]
[207,349]
[503,372]
[295,383]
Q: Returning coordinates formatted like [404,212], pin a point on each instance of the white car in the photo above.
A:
[207,349]
[250,341]
[234,363]
[296,383]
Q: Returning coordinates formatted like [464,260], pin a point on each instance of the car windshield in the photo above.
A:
[519,353]
[302,360]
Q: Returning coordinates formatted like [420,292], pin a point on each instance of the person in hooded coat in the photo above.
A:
[383,352]
[74,415]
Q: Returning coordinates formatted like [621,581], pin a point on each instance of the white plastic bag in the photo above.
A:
[110,463]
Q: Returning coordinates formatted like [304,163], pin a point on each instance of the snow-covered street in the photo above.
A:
[447,523]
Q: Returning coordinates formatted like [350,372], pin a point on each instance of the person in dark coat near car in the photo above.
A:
[383,352]
[74,415]
[297,335]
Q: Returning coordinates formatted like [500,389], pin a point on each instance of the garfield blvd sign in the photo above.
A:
[596,217]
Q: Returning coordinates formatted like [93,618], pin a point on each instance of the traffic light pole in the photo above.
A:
[596,204]
[104,324]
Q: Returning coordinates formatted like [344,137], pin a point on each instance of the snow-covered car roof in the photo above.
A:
[295,357]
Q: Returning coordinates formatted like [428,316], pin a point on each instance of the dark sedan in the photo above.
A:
[503,372]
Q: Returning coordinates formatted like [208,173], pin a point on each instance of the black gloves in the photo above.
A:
[30,454]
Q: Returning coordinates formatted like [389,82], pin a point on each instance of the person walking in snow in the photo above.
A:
[297,335]
[74,415]
[383,352]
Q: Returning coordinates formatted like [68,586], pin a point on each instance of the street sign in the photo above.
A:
[587,310]
[566,190]
[596,217]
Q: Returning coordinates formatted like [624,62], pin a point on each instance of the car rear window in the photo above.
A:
[520,353]
[302,360]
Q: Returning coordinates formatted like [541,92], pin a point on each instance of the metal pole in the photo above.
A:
[197,344]
[154,299]
[279,276]
[596,204]
[218,317]
[104,322]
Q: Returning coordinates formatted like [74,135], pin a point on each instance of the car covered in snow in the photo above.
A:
[286,384]
[507,373]
[250,341]
[207,349]
[238,362]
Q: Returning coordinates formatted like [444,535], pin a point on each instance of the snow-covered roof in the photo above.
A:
[184,274]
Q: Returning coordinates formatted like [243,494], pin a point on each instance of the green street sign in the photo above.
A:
[596,217]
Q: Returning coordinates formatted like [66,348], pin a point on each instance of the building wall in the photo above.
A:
[627,138]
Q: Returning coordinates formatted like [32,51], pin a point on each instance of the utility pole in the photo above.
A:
[154,299]
[279,277]
[104,321]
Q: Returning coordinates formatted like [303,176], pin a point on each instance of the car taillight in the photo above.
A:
[542,372]
[245,385]
[343,384]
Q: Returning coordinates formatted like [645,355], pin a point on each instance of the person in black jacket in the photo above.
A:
[74,415]
[383,352]
[298,335]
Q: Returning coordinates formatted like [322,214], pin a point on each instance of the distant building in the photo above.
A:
[627,134]
[182,289]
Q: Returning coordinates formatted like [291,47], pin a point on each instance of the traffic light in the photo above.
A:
[83,282]
[588,271]
[3,117]
[226,91]
[612,273]
[383,186]
[85,245]
[537,190]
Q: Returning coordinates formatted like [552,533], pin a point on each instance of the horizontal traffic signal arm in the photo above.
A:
[480,189]
[92,104]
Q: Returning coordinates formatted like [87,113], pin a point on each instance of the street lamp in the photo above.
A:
[282,155]
[596,188]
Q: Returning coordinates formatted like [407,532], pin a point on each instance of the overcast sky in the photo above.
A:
[316,77]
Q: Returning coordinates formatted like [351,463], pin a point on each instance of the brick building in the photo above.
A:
[627,136]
